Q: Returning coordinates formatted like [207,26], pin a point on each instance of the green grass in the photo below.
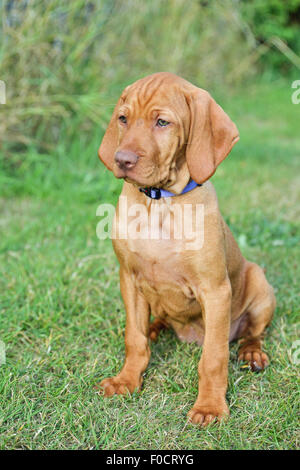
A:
[62,318]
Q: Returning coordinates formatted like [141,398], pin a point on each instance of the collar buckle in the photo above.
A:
[152,192]
[156,193]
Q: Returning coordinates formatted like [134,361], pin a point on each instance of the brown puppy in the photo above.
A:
[164,132]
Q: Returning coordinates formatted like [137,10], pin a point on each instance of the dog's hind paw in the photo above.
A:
[155,328]
[252,356]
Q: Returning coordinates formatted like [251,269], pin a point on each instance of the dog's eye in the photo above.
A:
[162,123]
[123,119]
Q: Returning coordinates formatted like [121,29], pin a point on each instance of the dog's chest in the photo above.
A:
[159,230]
[161,277]
[153,241]
[157,261]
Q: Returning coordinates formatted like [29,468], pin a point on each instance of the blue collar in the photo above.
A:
[157,193]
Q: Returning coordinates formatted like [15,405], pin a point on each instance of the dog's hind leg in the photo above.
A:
[259,314]
[156,327]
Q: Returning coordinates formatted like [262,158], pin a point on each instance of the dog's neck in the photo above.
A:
[179,182]
[179,177]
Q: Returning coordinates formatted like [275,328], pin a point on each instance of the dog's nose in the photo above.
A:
[126,159]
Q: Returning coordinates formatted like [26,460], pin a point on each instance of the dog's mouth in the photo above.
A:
[130,176]
[137,182]
[127,175]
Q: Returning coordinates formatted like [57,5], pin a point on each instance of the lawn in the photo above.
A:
[62,318]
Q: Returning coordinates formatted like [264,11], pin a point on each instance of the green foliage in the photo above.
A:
[65,63]
[274,18]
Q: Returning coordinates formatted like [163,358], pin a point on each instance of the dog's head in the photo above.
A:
[165,130]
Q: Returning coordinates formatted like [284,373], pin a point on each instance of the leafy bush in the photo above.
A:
[64,63]
[270,19]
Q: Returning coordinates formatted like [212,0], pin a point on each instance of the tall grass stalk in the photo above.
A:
[64,63]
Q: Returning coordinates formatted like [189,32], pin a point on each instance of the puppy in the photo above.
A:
[166,138]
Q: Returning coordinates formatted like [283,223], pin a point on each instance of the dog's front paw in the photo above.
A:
[206,414]
[117,385]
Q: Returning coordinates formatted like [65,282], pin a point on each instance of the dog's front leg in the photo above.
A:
[213,365]
[137,351]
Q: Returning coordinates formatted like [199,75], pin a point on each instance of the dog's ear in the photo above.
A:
[212,135]
[110,139]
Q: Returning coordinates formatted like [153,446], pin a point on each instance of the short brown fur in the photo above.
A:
[212,295]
